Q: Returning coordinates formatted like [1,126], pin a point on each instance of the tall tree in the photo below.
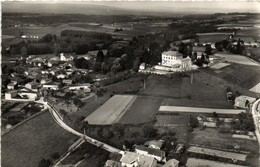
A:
[100,56]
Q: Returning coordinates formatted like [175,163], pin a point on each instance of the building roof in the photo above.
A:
[199,49]
[154,142]
[11,84]
[146,161]
[33,83]
[129,157]
[172,53]
[150,151]
[11,91]
[111,163]
[171,163]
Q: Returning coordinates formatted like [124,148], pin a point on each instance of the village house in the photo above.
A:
[10,94]
[131,159]
[45,72]
[142,66]
[37,62]
[199,51]
[244,101]
[44,81]
[85,87]
[159,155]
[174,59]
[111,163]
[32,85]
[171,163]
[50,86]
[67,81]
[31,95]
[64,57]
[154,144]
[12,85]
[61,76]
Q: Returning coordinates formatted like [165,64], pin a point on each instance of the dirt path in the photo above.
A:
[198,110]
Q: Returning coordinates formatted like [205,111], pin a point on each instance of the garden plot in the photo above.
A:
[166,120]
[111,111]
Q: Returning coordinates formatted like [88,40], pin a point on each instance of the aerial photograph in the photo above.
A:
[130,83]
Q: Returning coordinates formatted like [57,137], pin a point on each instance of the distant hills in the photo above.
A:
[130,8]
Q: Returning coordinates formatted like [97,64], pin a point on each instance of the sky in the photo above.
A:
[192,6]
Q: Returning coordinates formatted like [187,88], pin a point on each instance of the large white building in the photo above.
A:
[175,59]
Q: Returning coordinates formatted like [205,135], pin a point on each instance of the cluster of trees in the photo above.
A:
[228,45]
[79,42]
[244,122]
[193,121]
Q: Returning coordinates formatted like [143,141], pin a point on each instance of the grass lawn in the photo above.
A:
[128,86]
[142,110]
[163,86]
[34,140]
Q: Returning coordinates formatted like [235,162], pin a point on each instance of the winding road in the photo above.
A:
[59,120]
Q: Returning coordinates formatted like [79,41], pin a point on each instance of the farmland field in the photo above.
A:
[111,111]
[170,120]
[210,137]
[142,110]
[195,162]
[239,59]
[197,103]
[212,37]
[34,140]
[245,76]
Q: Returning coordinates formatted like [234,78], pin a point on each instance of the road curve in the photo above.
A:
[58,119]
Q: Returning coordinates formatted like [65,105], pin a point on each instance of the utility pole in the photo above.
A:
[191,79]
[144,83]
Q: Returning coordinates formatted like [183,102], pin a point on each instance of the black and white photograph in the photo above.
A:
[172,83]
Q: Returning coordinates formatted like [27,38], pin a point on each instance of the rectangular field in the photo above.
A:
[195,162]
[167,120]
[217,153]
[142,110]
[111,111]
[198,110]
